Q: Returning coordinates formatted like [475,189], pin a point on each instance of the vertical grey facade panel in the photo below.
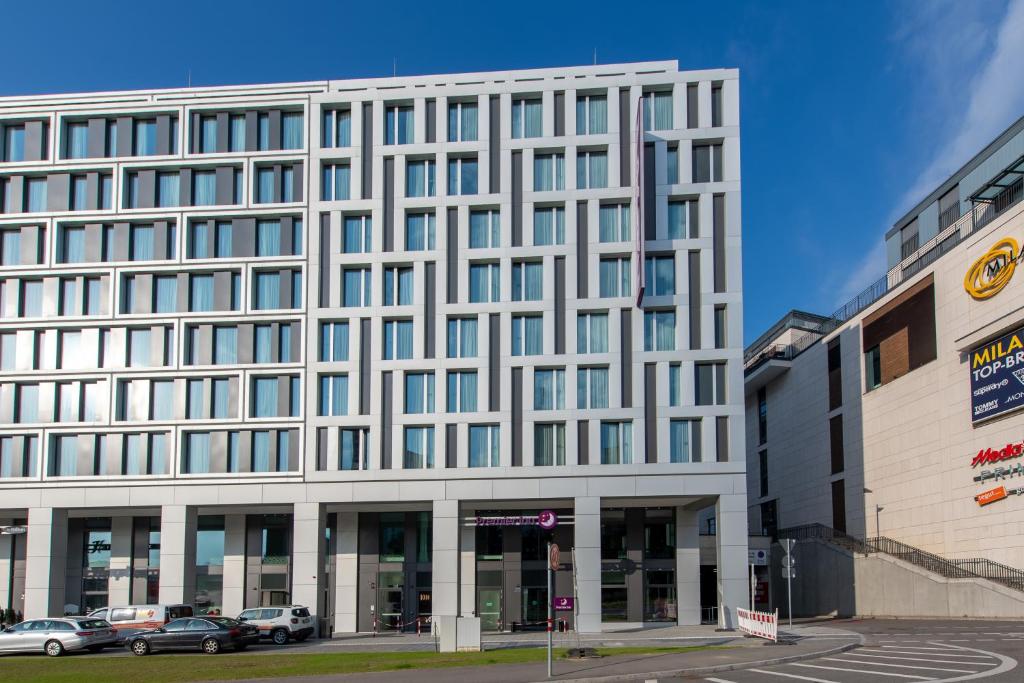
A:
[225,183]
[184,187]
[326,246]
[252,130]
[722,438]
[581,250]
[494,144]
[287,234]
[285,289]
[452,253]
[15,193]
[625,127]
[223,131]
[626,318]
[694,299]
[322,456]
[160,240]
[691,106]
[147,187]
[367,150]
[583,442]
[429,309]
[35,141]
[125,136]
[517,199]
[650,412]
[92,191]
[451,453]
[243,237]
[163,134]
[650,212]
[559,113]
[494,362]
[389,204]
[275,128]
[297,175]
[431,120]
[97,138]
[559,304]
[222,291]
[385,419]
[718,241]
[517,417]
[694,220]
[245,342]
[364,366]
[194,133]
[93,242]
[57,187]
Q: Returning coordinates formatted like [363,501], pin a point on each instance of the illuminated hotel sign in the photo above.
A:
[545,520]
[997,376]
[989,274]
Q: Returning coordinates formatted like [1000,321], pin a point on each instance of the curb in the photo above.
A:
[701,671]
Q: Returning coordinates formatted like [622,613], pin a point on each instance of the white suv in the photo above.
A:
[280,623]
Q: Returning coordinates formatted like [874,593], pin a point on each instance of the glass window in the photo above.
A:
[419,448]
[592,388]
[527,335]
[336,183]
[549,444]
[145,137]
[462,176]
[333,395]
[354,447]
[208,134]
[658,110]
[337,128]
[268,238]
[79,187]
[139,348]
[484,283]
[225,345]
[291,130]
[141,243]
[357,238]
[197,453]
[392,537]
[548,226]
[8,346]
[420,178]
[355,287]
[681,213]
[35,194]
[71,247]
[526,118]
[462,121]
[419,393]
[591,170]
[265,186]
[68,300]
[419,231]
[873,368]
[397,339]
[527,281]
[614,277]
[288,184]
[333,342]
[398,125]
[167,189]
[31,298]
[462,391]
[224,239]
[462,337]
[484,446]
[549,389]
[162,399]
[614,223]
[204,188]
[268,291]
[165,294]
[200,293]
[398,286]
[591,114]
[709,383]
[659,330]
[14,143]
[10,247]
[485,229]
[548,172]
[675,385]
[672,164]
[591,333]
[199,239]
[616,443]
[684,440]
[194,399]
[236,134]
[264,391]
[26,398]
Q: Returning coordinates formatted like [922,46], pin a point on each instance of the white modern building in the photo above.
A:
[311,342]
[898,417]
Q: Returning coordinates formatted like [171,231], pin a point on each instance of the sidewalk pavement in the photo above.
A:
[804,642]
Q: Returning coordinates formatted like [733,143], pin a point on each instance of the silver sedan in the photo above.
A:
[54,637]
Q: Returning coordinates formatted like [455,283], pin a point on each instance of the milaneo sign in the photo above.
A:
[997,376]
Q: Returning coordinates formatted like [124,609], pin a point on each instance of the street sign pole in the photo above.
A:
[551,601]
[753,585]
[788,567]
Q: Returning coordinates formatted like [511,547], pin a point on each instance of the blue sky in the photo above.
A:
[851,112]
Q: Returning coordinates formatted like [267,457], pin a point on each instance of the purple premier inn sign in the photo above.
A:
[546,520]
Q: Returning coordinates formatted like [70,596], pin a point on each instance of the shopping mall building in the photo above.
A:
[899,416]
[369,345]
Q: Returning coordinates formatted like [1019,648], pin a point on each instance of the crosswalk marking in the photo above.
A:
[907,650]
[916,667]
[922,654]
[863,671]
[917,659]
[717,680]
[799,678]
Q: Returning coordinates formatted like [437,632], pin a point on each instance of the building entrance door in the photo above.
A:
[489,601]
[390,594]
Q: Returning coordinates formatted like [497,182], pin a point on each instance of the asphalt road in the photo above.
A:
[904,651]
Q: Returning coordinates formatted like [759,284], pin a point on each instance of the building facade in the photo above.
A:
[888,418]
[347,343]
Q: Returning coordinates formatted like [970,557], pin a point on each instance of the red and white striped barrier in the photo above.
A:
[760,624]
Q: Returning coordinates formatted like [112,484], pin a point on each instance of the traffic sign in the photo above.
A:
[788,573]
[554,557]
[787,544]
[788,562]
[757,557]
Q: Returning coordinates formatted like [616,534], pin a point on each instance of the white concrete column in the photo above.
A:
[467,567]
[177,554]
[45,550]
[445,573]
[119,587]
[346,573]
[587,547]
[731,545]
[687,567]
[308,542]
[233,591]
[6,567]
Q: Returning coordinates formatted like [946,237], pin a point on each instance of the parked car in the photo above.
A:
[280,623]
[135,618]
[54,637]
[207,634]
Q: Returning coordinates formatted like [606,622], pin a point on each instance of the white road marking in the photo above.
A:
[799,678]
[921,654]
[920,659]
[717,680]
[863,671]
[1005,664]
[899,666]
[915,647]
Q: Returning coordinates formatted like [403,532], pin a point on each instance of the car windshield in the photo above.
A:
[224,621]
[92,623]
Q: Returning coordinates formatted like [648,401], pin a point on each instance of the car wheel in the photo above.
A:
[211,646]
[53,648]
[140,647]
[279,636]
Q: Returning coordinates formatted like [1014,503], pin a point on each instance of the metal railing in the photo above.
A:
[970,568]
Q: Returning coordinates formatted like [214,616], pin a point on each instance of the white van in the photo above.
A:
[134,618]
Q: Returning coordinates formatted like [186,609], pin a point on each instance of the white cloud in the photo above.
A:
[968,95]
